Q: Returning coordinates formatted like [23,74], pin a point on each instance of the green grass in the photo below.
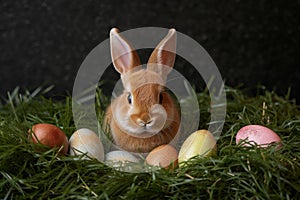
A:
[235,173]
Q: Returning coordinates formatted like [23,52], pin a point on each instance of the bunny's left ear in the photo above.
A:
[123,55]
[162,58]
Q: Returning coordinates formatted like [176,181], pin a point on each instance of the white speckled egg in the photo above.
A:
[258,134]
[85,141]
[120,156]
[122,160]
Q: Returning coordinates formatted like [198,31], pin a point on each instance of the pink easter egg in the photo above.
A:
[258,134]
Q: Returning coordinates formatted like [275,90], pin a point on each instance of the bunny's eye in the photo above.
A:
[160,98]
[129,98]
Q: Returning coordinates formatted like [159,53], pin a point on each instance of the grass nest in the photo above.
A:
[236,172]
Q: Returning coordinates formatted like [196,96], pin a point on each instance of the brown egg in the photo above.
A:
[163,156]
[49,135]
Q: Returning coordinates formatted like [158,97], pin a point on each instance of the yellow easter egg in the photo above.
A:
[201,142]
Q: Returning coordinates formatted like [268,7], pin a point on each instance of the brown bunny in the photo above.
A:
[144,116]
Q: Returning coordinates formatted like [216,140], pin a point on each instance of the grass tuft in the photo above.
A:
[236,172]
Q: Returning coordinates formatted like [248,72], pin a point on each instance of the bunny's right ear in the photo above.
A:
[124,57]
[163,57]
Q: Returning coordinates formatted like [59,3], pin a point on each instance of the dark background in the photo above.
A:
[252,42]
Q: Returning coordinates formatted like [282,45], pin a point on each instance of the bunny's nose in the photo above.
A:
[143,120]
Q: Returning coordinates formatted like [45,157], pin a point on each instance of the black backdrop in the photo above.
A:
[252,42]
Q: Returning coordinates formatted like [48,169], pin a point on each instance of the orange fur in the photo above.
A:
[145,87]
[143,145]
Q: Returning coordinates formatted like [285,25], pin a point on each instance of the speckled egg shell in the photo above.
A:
[258,134]
[120,156]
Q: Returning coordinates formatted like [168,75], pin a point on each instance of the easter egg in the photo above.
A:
[257,134]
[49,135]
[122,160]
[85,141]
[163,156]
[201,142]
[120,156]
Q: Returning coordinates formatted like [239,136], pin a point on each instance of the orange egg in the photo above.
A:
[163,156]
[49,135]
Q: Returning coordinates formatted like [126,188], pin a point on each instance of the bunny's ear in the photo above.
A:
[124,57]
[163,57]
